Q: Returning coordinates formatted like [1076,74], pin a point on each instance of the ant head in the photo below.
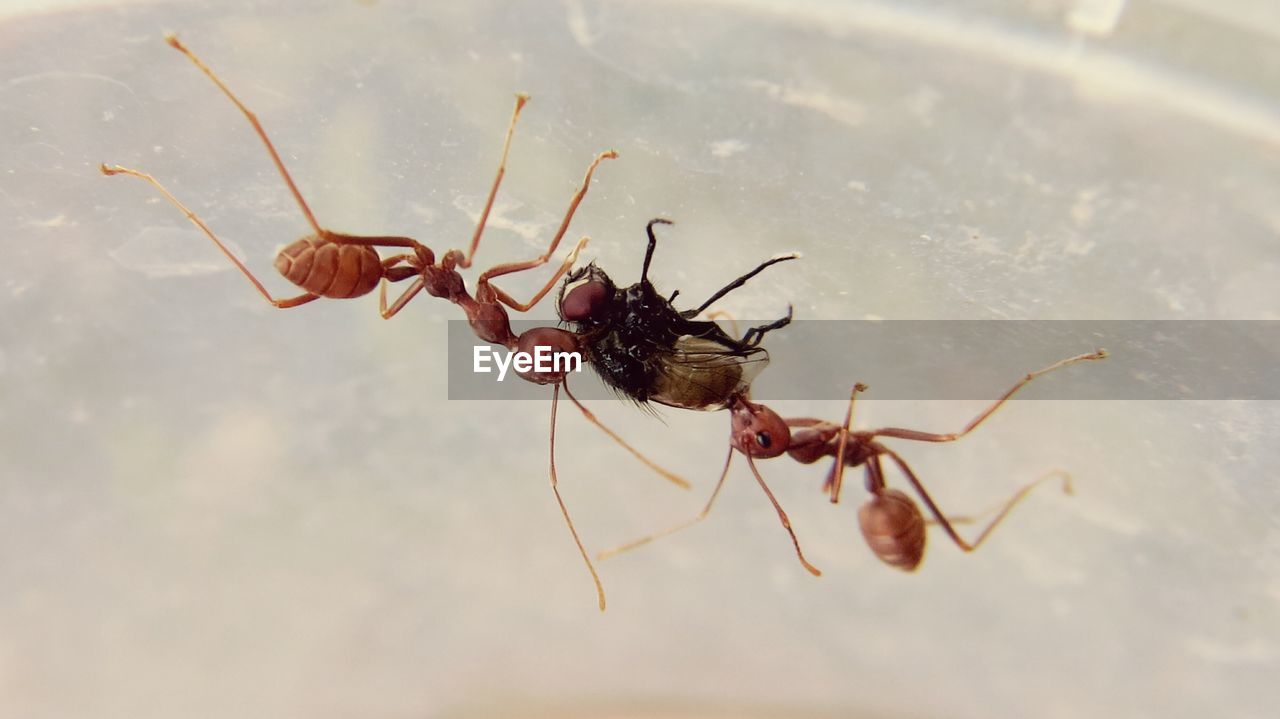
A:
[586,295]
[757,431]
[559,342]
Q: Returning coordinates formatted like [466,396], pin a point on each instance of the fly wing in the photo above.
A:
[703,373]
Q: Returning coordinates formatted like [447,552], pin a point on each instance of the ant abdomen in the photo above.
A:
[894,529]
[328,269]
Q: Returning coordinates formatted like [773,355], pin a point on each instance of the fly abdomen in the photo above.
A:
[330,269]
[894,529]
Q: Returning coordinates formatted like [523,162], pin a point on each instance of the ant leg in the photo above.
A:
[195,219]
[506,269]
[410,292]
[577,200]
[755,335]
[942,519]
[786,523]
[257,127]
[465,262]
[951,437]
[420,251]
[683,525]
[400,267]
[1067,489]
[555,400]
[394,271]
[836,479]
[669,476]
[484,287]
[564,223]
[743,280]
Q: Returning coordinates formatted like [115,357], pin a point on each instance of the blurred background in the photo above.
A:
[210,507]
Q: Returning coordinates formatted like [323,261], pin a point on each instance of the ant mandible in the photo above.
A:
[891,522]
[342,266]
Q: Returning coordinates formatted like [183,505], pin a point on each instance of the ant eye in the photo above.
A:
[585,301]
[764,440]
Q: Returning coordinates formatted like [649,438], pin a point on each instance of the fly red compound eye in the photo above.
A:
[585,302]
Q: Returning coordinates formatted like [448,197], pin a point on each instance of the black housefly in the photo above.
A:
[646,349]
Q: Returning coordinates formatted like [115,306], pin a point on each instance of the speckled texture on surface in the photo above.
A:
[212,508]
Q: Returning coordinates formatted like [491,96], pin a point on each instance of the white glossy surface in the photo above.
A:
[212,508]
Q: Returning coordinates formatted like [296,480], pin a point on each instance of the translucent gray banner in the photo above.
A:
[962,360]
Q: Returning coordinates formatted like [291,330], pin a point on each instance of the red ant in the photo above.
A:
[342,266]
[891,522]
